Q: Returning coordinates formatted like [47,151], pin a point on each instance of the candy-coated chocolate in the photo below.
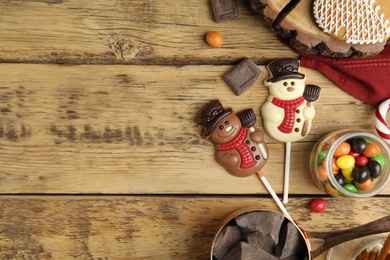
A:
[375,169]
[359,145]
[345,162]
[287,113]
[318,205]
[372,150]
[340,179]
[343,149]
[367,185]
[350,187]
[379,158]
[323,173]
[361,160]
[354,154]
[361,174]
[335,168]
[347,173]
[214,39]
[321,156]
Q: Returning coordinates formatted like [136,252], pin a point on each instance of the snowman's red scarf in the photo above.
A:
[237,143]
[289,106]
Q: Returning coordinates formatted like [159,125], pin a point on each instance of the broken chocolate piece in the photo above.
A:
[290,241]
[224,10]
[243,76]
[245,251]
[227,239]
[260,240]
[267,223]
[293,257]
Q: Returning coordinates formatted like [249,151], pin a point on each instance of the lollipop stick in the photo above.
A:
[286,172]
[273,194]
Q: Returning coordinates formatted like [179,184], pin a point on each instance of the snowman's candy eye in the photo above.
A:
[226,122]
[285,83]
[221,127]
[292,83]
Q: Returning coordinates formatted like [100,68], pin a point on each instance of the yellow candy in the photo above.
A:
[345,161]
[347,173]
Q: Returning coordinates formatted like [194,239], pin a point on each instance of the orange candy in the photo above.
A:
[372,150]
[343,149]
[214,39]
[365,185]
[335,168]
[322,173]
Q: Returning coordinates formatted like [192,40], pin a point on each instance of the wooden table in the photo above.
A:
[100,154]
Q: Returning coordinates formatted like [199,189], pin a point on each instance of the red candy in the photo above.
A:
[361,161]
[318,205]
[354,154]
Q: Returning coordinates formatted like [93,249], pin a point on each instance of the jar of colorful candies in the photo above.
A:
[349,163]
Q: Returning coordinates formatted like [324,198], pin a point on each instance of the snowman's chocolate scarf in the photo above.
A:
[289,106]
[237,143]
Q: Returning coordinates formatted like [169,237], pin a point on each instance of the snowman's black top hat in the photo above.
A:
[284,69]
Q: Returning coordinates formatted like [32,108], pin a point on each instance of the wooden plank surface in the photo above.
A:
[131,129]
[100,155]
[129,32]
[122,227]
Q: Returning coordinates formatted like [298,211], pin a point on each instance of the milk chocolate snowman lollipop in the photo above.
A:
[239,147]
[288,112]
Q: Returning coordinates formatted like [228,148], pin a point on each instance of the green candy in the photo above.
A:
[380,158]
[321,156]
[350,187]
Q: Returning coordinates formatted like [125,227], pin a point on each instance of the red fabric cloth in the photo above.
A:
[367,79]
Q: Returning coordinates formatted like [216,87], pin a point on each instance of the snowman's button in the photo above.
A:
[253,148]
[296,129]
[247,142]
[257,157]
[298,120]
[298,111]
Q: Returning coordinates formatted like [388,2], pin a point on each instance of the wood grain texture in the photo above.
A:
[129,32]
[100,155]
[131,129]
[121,227]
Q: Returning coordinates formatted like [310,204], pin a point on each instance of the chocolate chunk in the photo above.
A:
[267,223]
[292,257]
[227,239]
[224,10]
[243,76]
[259,240]
[245,251]
[290,241]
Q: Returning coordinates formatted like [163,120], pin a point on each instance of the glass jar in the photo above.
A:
[325,171]
[351,249]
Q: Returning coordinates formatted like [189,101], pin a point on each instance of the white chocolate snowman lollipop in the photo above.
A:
[288,113]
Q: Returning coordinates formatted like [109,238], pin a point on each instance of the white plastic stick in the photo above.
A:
[286,172]
[273,194]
